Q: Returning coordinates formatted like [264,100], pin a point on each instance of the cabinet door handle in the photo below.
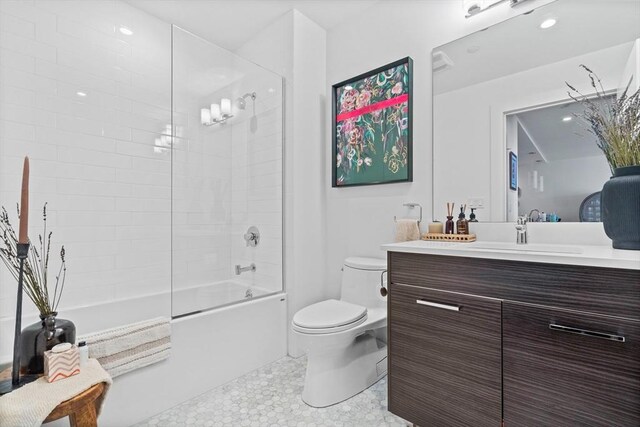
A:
[587,333]
[438,305]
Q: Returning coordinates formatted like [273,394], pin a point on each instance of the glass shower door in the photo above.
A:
[226,156]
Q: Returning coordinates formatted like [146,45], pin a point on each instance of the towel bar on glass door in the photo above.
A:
[411,206]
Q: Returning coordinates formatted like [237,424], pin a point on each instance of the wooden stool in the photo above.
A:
[80,409]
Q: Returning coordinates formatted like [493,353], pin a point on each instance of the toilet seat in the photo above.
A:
[328,317]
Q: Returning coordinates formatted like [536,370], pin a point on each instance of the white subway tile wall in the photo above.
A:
[88,104]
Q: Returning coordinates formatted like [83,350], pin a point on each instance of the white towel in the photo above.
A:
[123,349]
[407,230]
[32,403]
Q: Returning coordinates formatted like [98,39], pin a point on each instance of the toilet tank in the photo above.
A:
[361,281]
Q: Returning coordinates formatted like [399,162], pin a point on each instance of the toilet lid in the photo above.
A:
[363,263]
[329,314]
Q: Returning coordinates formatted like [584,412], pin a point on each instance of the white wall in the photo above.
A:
[92,157]
[359,219]
[294,46]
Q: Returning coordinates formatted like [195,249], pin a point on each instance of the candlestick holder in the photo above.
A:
[16,380]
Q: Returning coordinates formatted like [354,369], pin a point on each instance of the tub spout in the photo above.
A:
[240,270]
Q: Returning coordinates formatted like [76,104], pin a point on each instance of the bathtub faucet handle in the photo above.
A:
[252,236]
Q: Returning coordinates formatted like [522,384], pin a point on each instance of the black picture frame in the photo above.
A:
[334,90]
[513,171]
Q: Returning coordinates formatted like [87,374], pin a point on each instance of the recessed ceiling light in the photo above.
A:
[473,49]
[271,90]
[532,152]
[126,31]
[567,119]
[348,87]
[82,94]
[548,23]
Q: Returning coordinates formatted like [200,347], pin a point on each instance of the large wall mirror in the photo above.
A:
[506,135]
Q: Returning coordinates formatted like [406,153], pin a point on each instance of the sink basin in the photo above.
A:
[531,247]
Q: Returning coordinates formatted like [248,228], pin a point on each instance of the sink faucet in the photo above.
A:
[537,215]
[240,270]
[521,230]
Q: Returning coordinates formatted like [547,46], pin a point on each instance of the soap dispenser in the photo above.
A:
[472,215]
[462,225]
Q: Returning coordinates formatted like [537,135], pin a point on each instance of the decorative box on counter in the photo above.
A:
[62,361]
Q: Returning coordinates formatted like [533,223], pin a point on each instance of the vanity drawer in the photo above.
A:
[564,368]
[608,291]
[444,357]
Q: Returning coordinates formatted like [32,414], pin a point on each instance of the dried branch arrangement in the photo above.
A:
[36,266]
[615,121]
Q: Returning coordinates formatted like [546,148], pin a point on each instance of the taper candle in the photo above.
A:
[23,236]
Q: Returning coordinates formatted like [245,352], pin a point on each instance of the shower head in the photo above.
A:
[242,101]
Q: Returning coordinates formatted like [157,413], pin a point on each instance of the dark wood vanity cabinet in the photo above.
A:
[445,353]
[477,342]
[567,368]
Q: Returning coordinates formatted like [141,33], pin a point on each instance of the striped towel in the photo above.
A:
[123,349]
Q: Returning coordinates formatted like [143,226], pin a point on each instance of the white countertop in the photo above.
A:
[588,255]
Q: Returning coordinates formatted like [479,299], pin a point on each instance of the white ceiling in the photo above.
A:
[231,23]
[519,43]
[544,132]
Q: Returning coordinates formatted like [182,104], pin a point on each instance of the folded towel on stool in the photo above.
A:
[32,403]
[407,230]
[123,349]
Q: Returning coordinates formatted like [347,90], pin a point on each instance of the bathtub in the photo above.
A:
[204,297]
[209,348]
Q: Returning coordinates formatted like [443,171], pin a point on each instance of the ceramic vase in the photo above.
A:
[42,336]
[620,203]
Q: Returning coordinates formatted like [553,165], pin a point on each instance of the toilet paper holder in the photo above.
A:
[383,289]
[411,205]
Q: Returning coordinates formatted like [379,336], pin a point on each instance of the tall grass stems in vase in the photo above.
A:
[615,121]
[36,266]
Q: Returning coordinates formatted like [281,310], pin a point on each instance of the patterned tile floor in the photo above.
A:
[270,397]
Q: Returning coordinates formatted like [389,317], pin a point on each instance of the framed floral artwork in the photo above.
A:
[372,127]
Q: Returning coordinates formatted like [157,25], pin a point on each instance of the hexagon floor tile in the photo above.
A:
[270,397]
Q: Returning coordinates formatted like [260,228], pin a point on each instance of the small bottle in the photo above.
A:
[462,225]
[83,350]
[448,226]
[472,216]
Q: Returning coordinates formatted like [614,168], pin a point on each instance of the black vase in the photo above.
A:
[621,208]
[40,337]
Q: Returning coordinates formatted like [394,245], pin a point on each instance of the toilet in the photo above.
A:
[345,339]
